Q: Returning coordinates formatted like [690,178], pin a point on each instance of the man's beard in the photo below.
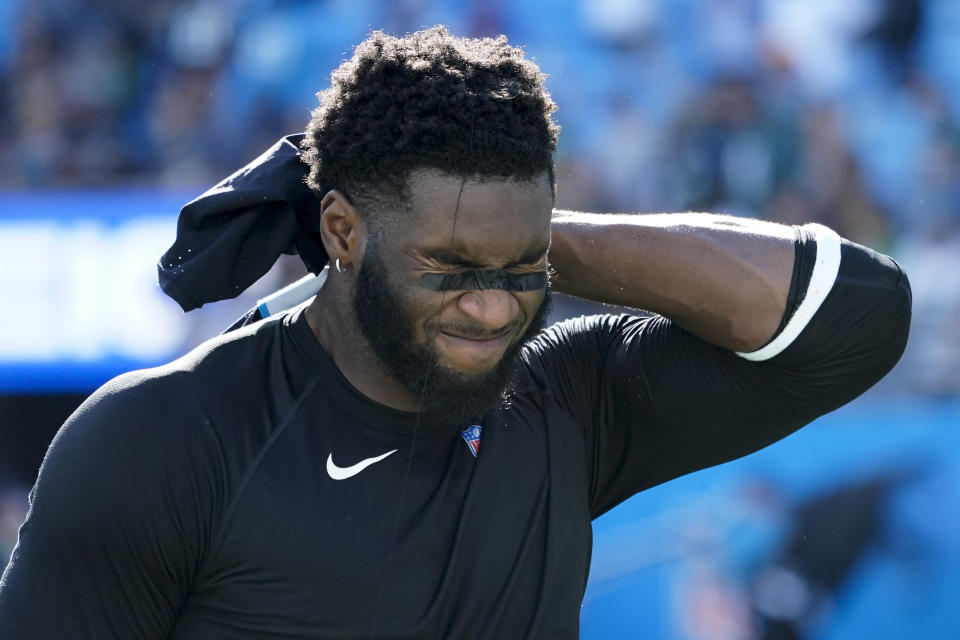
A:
[442,394]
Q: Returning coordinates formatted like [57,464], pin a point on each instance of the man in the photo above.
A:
[411,455]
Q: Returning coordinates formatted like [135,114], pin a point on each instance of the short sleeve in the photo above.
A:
[655,402]
[119,519]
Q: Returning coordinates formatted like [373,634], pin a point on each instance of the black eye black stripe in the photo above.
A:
[487,279]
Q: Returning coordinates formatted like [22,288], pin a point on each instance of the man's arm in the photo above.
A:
[724,279]
[119,519]
[662,396]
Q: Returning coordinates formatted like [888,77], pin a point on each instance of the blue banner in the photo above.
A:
[79,288]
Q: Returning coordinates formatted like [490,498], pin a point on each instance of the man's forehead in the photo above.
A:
[479,219]
[479,206]
[435,189]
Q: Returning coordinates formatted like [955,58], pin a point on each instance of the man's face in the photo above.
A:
[454,350]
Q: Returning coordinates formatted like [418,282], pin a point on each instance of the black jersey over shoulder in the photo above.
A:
[248,491]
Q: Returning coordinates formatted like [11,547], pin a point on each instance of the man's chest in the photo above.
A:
[349,532]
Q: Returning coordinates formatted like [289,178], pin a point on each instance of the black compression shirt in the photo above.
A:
[247,490]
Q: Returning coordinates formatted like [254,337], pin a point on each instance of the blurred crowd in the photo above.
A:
[846,113]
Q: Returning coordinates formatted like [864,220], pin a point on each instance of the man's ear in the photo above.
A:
[341,228]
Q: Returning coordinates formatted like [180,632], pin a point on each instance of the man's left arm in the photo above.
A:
[721,278]
[760,328]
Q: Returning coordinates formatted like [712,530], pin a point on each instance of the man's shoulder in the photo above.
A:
[572,352]
[230,354]
[202,387]
[220,358]
[187,429]
[146,409]
[585,332]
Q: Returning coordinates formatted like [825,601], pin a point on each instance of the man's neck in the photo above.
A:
[331,320]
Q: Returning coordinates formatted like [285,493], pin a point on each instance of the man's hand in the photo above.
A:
[722,278]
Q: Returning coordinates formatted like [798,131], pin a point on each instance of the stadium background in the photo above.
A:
[847,113]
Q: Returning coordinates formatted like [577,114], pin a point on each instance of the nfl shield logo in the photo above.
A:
[472,437]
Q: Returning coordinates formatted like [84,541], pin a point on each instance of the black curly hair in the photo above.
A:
[430,100]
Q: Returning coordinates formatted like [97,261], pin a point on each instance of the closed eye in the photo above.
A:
[450,260]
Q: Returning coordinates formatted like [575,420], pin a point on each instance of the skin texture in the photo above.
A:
[497,224]
[724,279]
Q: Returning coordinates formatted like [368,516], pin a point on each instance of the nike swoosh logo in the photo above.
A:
[342,473]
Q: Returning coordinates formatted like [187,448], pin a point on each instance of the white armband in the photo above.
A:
[824,275]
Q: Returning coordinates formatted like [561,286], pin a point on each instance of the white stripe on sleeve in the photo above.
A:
[292,294]
[821,282]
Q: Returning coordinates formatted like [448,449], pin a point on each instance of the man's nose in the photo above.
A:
[492,308]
